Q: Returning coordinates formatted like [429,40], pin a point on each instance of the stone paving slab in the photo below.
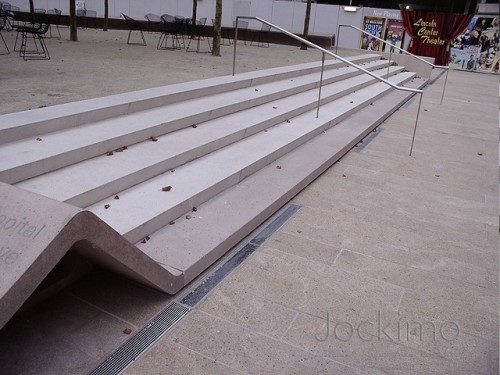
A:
[205,342]
[397,225]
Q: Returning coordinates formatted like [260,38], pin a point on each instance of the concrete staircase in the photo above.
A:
[160,183]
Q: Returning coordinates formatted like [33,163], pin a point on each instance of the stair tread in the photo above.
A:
[147,159]
[205,177]
[192,245]
[106,135]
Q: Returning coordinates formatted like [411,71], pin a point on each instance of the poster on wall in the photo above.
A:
[394,35]
[476,49]
[373,26]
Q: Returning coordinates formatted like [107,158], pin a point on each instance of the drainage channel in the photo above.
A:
[132,349]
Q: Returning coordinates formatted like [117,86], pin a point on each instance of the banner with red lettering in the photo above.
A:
[432,32]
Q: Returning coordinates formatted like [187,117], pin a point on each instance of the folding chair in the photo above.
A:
[134,25]
[56,18]
[171,27]
[262,36]
[242,30]
[154,21]
[36,31]
[199,35]
[3,23]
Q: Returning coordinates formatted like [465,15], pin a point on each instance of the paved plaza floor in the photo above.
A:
[389,266]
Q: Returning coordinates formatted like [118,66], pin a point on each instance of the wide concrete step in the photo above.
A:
[143,161]
[196,241]
[49,152]
[32,123]
[257,143]
[200,180]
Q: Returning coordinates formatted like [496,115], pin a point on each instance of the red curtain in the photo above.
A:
[432,33]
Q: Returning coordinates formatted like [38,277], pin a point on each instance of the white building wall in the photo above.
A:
[286,14]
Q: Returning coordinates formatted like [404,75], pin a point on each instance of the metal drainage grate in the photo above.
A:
[215,278]
[123,357]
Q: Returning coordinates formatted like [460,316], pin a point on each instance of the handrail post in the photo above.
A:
[337,40]
[235,44]
[320,82]
[416,121]
[444,87]
[388,66]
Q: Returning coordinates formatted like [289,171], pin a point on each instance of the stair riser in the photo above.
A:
[55,162]
[219,249]
[90,197]
[180,209]
[64,116]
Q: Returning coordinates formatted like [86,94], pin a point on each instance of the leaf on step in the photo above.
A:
[127,331]
[39,139]
[194,209]
[110,153]
[145,239]
[166,188]
[256,89]
[154,139]
[275,107]
[106,206]
[351,101]
[371,103]
[171,223]
[117,197]
[173,170]
[288,121]
[121,149]
[343,175]
[194,126]
[480,153]
[188,217]
[278,167]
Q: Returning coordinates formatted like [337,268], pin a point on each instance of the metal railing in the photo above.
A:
[399,49]
[334,55]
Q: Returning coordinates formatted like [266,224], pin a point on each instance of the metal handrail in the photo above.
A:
[324,51]
[434,66]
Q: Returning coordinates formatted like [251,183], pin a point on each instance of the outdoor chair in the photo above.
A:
[242,30]
[80,17]
[37,32]
[261,37]
[90,14]
[55,20]
[8,14]
[3,22]
[171,28]
[154,22]
[134,25]
[225,35]
[198,34]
